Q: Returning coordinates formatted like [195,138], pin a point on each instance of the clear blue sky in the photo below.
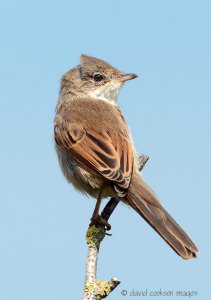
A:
[42,219]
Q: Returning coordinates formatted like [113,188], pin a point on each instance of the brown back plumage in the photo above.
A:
[104,148]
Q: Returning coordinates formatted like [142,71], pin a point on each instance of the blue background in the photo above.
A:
[43,221]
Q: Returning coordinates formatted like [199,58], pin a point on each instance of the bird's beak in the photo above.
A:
[126,77]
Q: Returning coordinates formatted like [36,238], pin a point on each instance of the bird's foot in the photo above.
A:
[98,220]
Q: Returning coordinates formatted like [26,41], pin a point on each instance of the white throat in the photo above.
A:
[109,92]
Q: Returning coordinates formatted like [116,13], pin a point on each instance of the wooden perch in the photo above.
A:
[96,289]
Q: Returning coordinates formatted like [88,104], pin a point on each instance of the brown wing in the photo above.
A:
[107,154]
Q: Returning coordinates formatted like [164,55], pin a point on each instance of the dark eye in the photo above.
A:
[98,77]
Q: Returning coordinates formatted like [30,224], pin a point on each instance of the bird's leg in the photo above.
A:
[96,218]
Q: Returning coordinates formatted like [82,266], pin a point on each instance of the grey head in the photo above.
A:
[94,78]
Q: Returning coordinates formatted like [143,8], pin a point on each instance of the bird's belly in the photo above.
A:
[82,180]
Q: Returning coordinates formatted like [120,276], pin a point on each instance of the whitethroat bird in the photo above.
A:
[96,151]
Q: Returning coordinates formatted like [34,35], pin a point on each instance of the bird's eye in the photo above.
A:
[98,77]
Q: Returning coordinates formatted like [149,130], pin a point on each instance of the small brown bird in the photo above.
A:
[96,152]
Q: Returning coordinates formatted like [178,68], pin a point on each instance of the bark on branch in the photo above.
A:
[94,288]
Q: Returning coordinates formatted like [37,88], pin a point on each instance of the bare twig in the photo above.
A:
[95,289]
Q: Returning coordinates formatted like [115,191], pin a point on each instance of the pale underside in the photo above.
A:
[82,180]
[108,92]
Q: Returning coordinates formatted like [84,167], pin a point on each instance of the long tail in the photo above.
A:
[141,198]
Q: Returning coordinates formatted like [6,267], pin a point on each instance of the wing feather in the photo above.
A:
[107,154]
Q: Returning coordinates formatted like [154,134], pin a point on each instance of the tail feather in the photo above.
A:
[141,198]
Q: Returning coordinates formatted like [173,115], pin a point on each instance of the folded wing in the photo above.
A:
[107,154]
